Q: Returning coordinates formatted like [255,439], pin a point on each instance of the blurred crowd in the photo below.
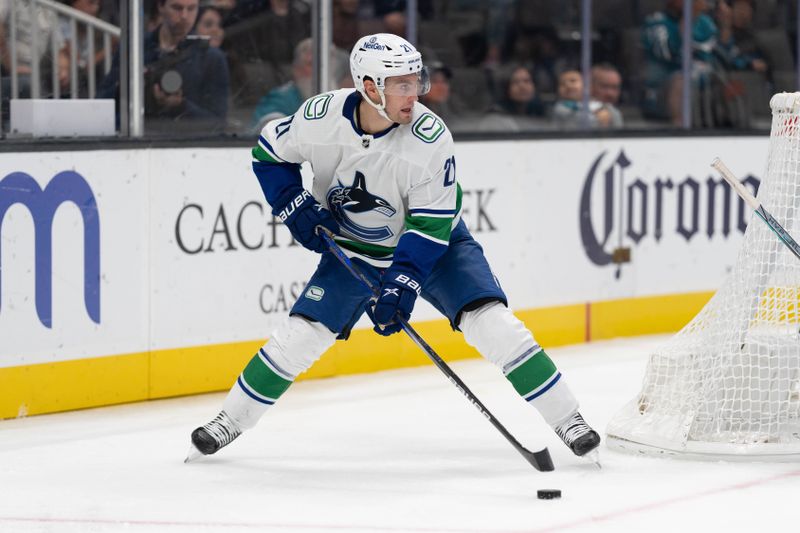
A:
[229,66]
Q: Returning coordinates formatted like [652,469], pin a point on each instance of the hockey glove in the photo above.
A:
[397,295]
[302,214]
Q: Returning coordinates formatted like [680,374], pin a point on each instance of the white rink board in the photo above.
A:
[229,274]
[538,252]
[119,184]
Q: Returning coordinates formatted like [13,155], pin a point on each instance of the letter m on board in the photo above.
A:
[66,186]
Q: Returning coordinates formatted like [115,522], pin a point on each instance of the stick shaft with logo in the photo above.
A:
[540,460]
[759,209]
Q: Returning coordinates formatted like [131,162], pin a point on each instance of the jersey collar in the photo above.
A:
[349,112]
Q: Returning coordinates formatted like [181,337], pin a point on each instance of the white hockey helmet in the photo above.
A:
[383,56]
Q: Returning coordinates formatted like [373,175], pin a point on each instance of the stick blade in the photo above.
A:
[540,460]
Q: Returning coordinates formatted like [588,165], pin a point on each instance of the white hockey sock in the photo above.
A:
[505,341]
[292,349]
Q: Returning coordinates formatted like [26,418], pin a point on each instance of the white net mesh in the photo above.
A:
[728,384]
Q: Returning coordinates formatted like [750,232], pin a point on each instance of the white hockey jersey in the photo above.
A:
[379,188]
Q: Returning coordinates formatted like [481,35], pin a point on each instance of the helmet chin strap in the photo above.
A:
[381,108]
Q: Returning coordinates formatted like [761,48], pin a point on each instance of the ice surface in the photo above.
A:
[395,451]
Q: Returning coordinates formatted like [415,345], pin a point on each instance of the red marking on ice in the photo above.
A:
[607,517]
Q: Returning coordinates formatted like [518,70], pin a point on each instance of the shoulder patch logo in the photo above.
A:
[317,107]
[428,128]
[315,293]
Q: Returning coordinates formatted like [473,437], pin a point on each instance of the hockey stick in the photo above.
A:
[540,460]
[762,213]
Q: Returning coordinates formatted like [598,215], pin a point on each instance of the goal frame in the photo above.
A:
[727,385]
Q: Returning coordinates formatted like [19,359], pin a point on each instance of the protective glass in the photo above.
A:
[417,84]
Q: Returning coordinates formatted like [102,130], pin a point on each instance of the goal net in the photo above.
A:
[728,384]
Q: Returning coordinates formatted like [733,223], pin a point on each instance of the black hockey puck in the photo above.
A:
[548,494]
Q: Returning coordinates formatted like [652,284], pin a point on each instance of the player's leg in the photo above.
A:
[327,309]
[505,341]
[464,289]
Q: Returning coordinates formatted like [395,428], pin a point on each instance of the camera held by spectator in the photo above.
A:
[164,73]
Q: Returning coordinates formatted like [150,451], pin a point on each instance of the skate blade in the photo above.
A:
[193,454]
[594,457]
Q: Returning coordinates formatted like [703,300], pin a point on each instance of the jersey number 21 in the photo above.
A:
[450,171]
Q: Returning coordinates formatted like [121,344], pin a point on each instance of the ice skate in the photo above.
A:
[208,439]
[579,437]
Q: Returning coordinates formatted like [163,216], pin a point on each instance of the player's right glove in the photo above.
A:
[301,213]
[397,295]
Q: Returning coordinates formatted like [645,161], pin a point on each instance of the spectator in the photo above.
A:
[109,11]
[606,83]
[269,36]
[345,23]
[285,100]
[46,28]
[543,48]
[152,16]
[499,20]
[738,45]
[91,8]
[568,111]
[392,14]
[606,88]
[662,41]
[186,81]
[485,37]
[438,97]
[209,24]
[223,5]
[519,96]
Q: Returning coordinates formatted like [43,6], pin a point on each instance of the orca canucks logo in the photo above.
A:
[357,199]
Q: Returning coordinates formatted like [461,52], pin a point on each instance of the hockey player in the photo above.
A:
[385,184]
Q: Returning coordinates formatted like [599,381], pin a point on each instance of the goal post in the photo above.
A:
[727,386]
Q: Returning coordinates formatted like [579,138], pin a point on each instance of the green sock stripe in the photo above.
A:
[263,380]
[532,374]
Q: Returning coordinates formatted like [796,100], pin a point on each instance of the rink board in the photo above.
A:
[165,270]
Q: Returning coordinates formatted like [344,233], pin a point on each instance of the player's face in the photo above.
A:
[401,93]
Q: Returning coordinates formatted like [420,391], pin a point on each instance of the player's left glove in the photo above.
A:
[397,295]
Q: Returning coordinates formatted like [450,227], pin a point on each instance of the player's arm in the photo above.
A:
[276,164]
[433,205]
